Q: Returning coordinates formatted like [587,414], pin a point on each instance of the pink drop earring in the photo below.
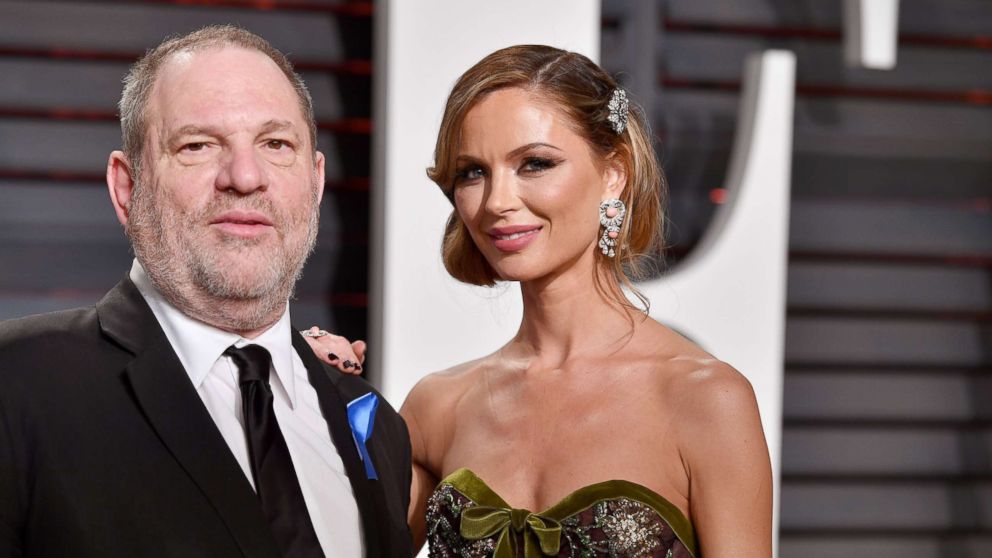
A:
[611,215]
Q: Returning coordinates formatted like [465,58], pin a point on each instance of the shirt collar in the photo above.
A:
[199,345]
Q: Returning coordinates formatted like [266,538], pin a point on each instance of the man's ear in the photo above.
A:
[120,184]
[614,177]
[319,169]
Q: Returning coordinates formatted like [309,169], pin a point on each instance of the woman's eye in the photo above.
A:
[538,164]
[469,174]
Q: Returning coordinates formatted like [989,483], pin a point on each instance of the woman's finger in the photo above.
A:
[334,350]
[359,347]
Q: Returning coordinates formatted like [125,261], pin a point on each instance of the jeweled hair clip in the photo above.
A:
[619,110]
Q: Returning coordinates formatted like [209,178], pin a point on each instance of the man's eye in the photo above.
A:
[196,146]
[276,144]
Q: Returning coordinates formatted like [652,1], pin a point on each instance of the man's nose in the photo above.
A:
[243,170]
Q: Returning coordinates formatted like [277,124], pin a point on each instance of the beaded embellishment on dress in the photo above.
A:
[613,524]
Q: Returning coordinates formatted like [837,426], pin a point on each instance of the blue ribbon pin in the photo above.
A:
[361,418]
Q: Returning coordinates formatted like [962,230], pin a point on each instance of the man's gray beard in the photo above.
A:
[196,280]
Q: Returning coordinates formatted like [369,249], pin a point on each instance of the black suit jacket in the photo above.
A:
[106,449]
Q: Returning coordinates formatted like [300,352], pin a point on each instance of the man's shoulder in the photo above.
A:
[45,355]
[352,387]
[62,327]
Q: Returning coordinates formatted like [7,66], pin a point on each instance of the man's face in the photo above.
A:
[226,208]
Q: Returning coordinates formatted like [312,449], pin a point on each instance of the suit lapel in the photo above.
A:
[177,414]
[368,493]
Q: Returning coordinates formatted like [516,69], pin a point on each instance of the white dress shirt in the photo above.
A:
[323,479]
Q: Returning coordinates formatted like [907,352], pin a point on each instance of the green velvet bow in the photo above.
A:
[541,535]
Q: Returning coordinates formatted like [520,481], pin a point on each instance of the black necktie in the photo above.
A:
[275,479]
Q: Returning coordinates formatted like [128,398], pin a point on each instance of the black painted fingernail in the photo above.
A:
[358,367]
[348,364]
[332,356]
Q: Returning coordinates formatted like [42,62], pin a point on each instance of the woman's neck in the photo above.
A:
[568,316]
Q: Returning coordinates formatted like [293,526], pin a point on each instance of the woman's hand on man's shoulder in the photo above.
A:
[347,356]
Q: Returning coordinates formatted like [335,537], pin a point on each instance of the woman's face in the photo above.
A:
[528,187]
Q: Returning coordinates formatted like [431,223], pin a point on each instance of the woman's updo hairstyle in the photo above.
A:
[580,90]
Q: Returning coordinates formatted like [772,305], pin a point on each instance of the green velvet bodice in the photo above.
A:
[467,519]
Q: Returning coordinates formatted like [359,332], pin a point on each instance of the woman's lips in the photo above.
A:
[514,238]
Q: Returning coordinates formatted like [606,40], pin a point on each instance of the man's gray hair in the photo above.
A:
[140,80]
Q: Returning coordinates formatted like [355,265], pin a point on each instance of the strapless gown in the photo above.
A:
[467,519]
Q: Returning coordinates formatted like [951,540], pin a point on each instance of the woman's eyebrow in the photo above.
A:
[529,146]
[467,158]
[516,152]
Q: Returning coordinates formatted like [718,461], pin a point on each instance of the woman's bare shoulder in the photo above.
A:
[438,392]
[430,407]
[692,378]
[716,408]
[712,386]
[721,446]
